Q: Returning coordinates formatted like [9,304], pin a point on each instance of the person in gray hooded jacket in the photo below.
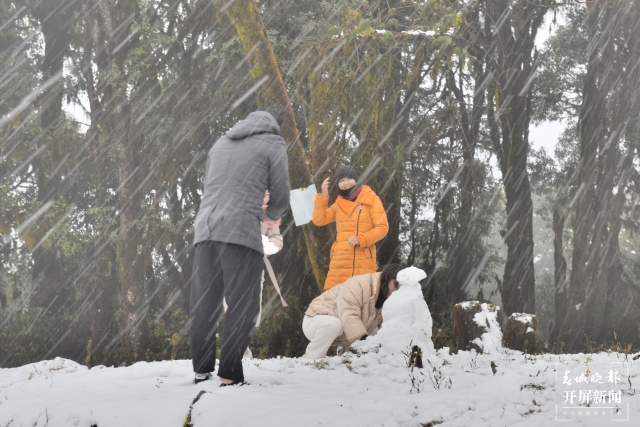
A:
[250,159]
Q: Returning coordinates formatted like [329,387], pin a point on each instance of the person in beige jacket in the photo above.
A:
[348,312]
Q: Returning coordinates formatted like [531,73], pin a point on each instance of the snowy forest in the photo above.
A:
[109,107]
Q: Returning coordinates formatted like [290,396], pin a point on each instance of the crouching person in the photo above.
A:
[348,312]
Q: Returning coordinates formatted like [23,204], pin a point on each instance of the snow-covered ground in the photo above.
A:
[374,387]
[341,391]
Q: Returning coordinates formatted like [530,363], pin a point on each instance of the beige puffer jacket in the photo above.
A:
[354,303]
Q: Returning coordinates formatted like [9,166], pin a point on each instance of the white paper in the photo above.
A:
[302,201]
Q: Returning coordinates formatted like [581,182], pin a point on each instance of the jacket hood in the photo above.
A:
[256,123]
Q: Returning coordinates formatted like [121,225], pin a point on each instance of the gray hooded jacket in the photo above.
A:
[249,159]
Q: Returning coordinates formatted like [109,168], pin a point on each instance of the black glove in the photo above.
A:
[364,337]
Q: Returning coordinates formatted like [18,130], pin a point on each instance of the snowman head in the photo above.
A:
[411,277]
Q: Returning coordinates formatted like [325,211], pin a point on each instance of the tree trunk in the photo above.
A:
[515,44]
[55,20]
[462,258]
[560,273]
[245,16]
[130,254]
[393,131]
[608,107]
[388,179]
[591,132]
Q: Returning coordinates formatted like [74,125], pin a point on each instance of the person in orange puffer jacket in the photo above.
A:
[361,221]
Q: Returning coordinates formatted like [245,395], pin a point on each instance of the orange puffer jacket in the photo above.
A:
[364,218]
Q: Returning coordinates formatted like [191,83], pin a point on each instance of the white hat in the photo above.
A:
[410,276]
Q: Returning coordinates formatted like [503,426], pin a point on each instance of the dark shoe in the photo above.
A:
[238,383]
[202,377]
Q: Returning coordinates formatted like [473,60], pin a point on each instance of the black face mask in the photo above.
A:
[347,193]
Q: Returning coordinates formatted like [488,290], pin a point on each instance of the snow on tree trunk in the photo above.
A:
[477,326]
[521,333]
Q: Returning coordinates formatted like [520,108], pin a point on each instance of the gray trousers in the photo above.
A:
[224,271]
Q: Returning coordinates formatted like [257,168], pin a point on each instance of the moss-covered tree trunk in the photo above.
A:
[245,16]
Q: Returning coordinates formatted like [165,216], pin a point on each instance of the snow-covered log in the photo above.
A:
[521,333]
[475,324]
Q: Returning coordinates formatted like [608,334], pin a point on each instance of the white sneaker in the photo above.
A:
[202,377]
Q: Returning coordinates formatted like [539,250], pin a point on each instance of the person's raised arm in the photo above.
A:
[322,213]
[278,181]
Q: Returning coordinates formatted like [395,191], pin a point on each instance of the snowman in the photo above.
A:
[405,318]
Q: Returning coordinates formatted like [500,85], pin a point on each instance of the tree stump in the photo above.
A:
[521,333]
[465,328]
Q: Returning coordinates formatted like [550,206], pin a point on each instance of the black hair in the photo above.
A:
[389,272]
[276,115]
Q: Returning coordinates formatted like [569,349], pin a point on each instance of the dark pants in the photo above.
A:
[233,272]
